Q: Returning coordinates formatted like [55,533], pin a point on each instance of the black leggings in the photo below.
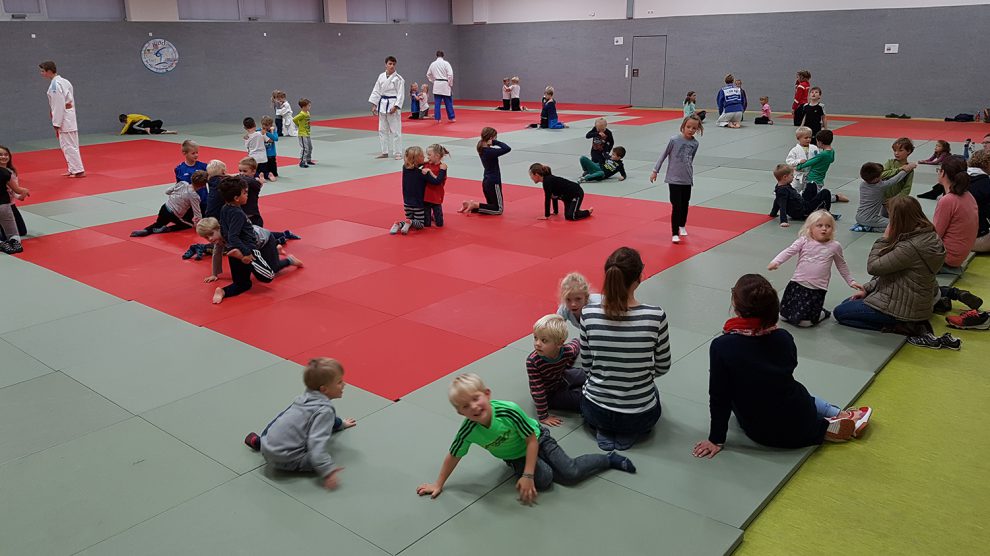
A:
[493,198]
[165,217]
[572,208]
[515,104]
[815,199]
[142,127]
[680,195]
[278,127]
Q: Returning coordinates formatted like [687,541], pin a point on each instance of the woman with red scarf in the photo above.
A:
[752,375]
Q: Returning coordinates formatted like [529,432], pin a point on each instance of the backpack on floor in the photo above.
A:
[961,118]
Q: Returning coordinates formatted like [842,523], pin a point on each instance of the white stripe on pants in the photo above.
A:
[390,127]
[68,141]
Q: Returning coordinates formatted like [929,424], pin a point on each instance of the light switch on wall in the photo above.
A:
[890,48]
[617,41]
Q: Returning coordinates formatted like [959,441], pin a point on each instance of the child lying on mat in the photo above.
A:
[505,430]
[181,210]
[297,438]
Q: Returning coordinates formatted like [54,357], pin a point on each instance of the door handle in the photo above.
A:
[635,72]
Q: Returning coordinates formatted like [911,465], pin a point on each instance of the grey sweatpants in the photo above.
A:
[8,222]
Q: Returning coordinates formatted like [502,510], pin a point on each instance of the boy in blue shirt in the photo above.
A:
[505,430]
[185,169]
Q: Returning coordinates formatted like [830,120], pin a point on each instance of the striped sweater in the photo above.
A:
[623,356]
[546,376]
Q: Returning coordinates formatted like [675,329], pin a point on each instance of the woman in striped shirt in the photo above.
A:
[624,347]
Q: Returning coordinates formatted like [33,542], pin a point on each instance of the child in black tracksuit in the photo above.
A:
[789,203]
[602,141]
[244,254]
[557,188]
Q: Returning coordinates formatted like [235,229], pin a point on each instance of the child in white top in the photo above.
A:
[506,94]
[424,101]
[804,298]
[284,111]
[801,152]
[514,96]
[254,143]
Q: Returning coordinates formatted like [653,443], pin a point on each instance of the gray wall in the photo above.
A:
[226,71]
[938,71]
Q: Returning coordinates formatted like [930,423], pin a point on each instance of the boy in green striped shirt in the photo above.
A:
[505,430]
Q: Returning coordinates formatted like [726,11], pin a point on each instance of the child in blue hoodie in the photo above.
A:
[297,438]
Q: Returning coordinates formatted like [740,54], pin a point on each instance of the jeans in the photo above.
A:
[306,147]
[857,314]
[611,422]
[554,465]
[448,103]
[825,409]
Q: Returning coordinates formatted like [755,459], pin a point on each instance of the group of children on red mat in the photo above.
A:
[608,376]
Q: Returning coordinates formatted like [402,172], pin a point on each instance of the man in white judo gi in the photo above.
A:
[441,74]
[386,102]
[63,108]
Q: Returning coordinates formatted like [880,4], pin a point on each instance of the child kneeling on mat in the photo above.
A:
[509,434]
[752,375]
[297,438]
[246,252]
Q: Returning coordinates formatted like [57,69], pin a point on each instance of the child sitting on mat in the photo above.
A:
[181,208]
[556,188]
[592,171]
[872,191]
[245,253]
[602,141]
[505,430]
[792,204]
[297,438]
[752,375]
[575,293]
[803,303]
[554,383]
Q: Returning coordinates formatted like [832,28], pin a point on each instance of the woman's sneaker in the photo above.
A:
[839,430]
[970,320]
[861,416]
[926,341]
[11,247]
[948,341]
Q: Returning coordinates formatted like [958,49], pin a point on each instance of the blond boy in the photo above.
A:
[553,382]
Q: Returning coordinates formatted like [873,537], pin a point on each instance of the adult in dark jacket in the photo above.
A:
[752,375]
[979,186]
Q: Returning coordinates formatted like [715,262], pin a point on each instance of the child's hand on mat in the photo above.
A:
[773,266]
[527,490]
[622,178]
[347,423]
[330,482]
[210,278]
[432,489]
[653,176]
[706,449]
[552,421]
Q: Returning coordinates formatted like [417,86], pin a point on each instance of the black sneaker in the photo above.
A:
[970,320]
[943,305]
[6,247]
[948,341]
[13,247]
[968,298]
[926,341]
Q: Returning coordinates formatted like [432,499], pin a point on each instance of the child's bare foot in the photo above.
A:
[464,206]
[169,132]
[840,198]
[591,210]
[294,261]
[217,296]
[273,178]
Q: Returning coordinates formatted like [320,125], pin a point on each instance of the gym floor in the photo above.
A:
[125,394]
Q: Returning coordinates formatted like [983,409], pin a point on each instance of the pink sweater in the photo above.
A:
[956,222]
[814,266]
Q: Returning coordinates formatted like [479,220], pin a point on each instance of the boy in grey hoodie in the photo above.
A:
[297,438]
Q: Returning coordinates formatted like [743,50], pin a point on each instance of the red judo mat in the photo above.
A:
[953,132]
[399,311]
[111,167]
[638,116]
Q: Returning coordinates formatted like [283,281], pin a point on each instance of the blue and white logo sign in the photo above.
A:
[159,55]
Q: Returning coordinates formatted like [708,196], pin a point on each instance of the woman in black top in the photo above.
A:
[489,149]
[557,188]
[752,375]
